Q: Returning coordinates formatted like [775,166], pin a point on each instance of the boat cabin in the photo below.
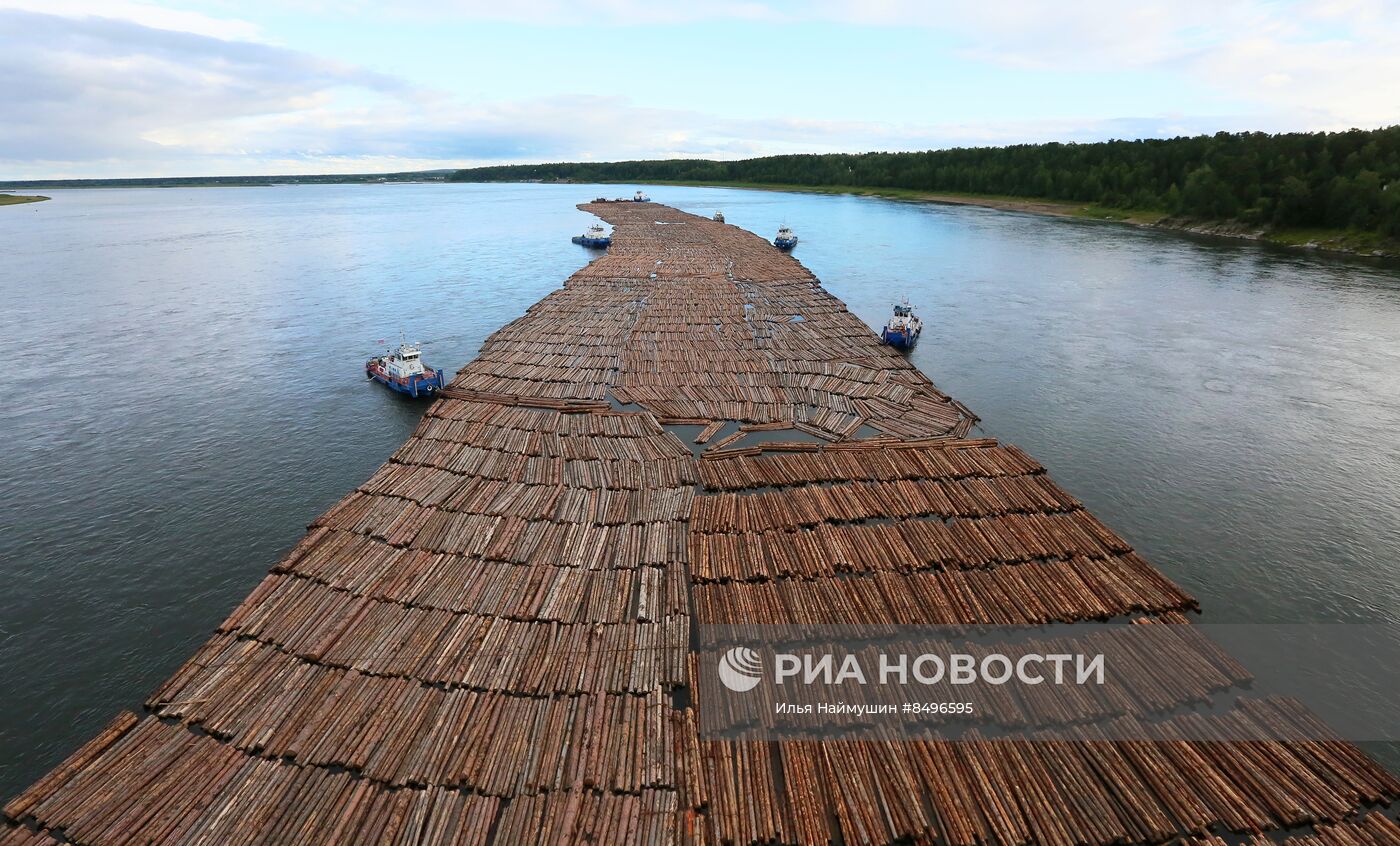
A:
[404,363]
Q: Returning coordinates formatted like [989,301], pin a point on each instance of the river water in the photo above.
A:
[185,393]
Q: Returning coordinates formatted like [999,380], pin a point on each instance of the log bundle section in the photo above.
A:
[490,640]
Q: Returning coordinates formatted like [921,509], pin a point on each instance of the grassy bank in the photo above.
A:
[1332,180]
[16,199]
[1334,240]
[1365,243]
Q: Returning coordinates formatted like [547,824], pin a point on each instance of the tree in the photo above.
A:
[1172,200]
[1346,179]
[1294,206]
[1206,195]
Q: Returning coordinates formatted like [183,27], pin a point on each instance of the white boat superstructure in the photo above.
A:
[639,197]
[596,236]
[404,371]
[404,362]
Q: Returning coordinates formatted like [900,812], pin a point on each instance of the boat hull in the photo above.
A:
[899,338]
[784,243]
[425,384]
[595,243]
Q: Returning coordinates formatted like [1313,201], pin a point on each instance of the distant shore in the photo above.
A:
[1329,240]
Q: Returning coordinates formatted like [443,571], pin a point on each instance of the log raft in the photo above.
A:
[489,641]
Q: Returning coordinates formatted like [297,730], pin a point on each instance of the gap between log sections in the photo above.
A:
[438,685]
[226,739]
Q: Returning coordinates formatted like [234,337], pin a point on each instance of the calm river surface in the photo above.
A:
[185,393]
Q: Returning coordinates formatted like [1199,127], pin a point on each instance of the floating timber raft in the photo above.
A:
[489,642]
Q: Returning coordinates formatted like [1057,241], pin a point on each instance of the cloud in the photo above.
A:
[104,97]
[574,14]
[1332,84]
[1086,34]
[1324,61]
[158,17]
[149,91]
[87,88]
[608,128]
[1327,64]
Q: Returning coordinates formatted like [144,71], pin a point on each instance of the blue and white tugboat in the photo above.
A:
[639,197]
[785,240]
[596,237]
[902,332]
[403,370]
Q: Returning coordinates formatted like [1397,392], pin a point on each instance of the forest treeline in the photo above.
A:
[1338,180]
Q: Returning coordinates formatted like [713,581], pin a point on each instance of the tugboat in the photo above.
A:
[902,332]
[403,371]
[719,217]
[596,236]
[785,240]
[639,197]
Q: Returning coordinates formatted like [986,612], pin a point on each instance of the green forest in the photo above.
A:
[1334,180]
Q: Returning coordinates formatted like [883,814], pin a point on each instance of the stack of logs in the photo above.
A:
[492,640]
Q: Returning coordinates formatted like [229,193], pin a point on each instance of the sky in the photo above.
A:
[121,88]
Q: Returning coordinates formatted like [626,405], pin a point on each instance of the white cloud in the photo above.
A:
[1334,84]
[92,89]
[1329,64]
[145,14]
[108,97]
[1086,34]
[129,88]
[564,13]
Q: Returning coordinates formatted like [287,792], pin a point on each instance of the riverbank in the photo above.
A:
[17,199]
[1329,240]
